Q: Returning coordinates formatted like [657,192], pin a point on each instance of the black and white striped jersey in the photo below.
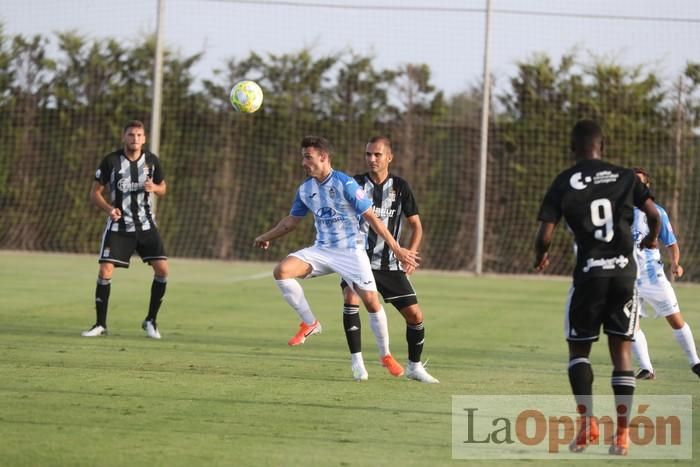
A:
[125,180]
[390,200]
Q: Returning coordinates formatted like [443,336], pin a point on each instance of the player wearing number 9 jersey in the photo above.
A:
[597,201]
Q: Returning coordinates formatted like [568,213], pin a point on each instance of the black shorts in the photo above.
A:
[394,287]
[607,301]
[117,247]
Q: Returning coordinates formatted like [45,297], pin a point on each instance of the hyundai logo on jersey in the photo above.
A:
[325,212]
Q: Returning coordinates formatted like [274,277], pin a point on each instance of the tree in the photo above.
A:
[27,82]
[357,104]
[542,104]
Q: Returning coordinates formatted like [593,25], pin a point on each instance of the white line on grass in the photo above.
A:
[253,277]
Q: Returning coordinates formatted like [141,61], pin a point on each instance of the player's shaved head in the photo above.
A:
[381,139]
[586,138]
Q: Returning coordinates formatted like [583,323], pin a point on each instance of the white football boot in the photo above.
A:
[95,331]
[151,329]
[359,372]
[416,370]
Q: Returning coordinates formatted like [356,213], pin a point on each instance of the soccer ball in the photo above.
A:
[246,96]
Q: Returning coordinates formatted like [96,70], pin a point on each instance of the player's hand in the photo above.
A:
[408,269]
[148,185]
[115,214]
[542,264]
[677,270]
[649,242]
[407,258]
[258,243]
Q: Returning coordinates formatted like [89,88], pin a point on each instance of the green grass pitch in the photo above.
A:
[223,388]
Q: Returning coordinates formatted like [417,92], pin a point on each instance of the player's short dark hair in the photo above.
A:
[381,139]
[318,142]
[585,134]
[134,124]
[641,171]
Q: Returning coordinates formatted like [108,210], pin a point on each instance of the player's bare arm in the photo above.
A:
[282,228]
[404,255]
[543,241]
[416,237]
[98,199]
[654,223]
[158,189]
[674,253]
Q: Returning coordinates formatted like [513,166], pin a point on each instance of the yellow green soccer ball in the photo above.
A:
[246,96]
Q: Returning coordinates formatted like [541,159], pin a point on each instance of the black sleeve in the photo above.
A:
[104,171]
[157,173]
[550,210]
[408,201]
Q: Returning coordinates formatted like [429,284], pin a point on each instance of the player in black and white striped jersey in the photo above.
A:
[132,175]
[392,201]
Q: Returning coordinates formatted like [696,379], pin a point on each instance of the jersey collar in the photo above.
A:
[325,180]
[369,177]
[143,153]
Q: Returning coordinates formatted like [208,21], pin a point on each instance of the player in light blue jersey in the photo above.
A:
[337,203]
[655,289]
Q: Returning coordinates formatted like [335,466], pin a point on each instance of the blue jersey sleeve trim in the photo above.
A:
[299,209]
[666,234]
[354,193]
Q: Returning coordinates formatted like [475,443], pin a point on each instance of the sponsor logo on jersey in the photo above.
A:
[126,186]
[605,176]
[325,212]
[577,181]
[384,213]
[328,216]
[606,263]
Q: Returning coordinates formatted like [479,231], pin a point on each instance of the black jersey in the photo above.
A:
[597,200]
[390,200]
[126,180]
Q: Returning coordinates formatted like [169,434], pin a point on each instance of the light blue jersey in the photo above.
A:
[649,262]
[337,204]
